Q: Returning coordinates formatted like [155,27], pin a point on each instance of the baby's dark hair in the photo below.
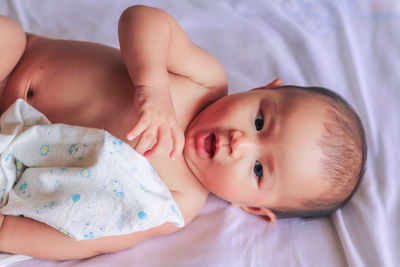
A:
[344,147]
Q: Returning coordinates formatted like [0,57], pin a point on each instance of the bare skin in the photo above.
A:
[99,97]
[88,84]
[158,86]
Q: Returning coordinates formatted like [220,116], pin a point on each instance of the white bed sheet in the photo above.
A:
[348,45]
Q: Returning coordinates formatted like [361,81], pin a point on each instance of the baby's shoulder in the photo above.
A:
[190,202]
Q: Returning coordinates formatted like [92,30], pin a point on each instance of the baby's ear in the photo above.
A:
[266,213]
[274,84]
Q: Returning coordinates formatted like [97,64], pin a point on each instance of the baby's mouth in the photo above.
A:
[209,145]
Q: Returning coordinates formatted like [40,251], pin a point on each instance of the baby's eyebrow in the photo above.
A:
[272,130]
[276,122]
[272,127]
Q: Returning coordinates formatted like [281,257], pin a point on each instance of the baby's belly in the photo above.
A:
[87,85]
[96,104]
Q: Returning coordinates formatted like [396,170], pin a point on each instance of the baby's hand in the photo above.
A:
[157,124]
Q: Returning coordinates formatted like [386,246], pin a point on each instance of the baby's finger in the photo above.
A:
[179,142]
[145,141]
[138,128]
[162,140]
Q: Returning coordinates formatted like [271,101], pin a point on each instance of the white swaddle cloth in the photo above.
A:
[81,181]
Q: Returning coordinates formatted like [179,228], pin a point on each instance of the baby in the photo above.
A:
[274,151]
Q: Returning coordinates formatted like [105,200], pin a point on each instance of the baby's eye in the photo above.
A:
[258,170]
[259,121]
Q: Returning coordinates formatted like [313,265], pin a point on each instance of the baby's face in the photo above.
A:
[258,148]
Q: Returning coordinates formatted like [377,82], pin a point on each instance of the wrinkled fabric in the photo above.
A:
[82,181]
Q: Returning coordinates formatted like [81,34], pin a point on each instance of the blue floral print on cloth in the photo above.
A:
[82,181]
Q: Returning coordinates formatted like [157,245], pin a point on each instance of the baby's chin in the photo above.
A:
[201,119]
[188,156]
[195,122]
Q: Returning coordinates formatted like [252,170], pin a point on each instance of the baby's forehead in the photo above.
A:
[287,91]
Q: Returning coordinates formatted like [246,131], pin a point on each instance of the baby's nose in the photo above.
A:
[240,142]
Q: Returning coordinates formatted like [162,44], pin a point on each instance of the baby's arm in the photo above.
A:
[12,45]
[21,235]
[153,45]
